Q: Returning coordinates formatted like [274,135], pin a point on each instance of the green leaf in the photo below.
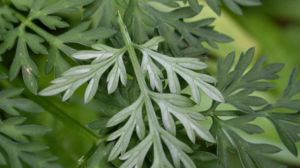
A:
[195,5]
[243,123]
[137,155]
[19,153]
[61,5]
[16,136]
[182,38]
[56,62]
[7,19]
[13,105]
[233,5]
[24,62]
[187,117]
[178,151]
[169,105]
[287,127]
[136,107]
[22,4]
[18,25]
[72,79]
[123,135]
[287,100]
[53,22]
[8,41]
[102,13]
[13,128]
[81,34]
[138,21]
[230,143]
[185,68]
[35,43]
[238,82]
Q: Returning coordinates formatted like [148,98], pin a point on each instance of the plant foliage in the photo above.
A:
[16,32]
[233,5]
[171,105]
[141,61]
[17,148]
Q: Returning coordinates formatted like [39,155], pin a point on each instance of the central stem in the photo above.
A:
[153,122]
[152,119]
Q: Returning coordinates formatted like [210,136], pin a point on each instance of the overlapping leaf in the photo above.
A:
[288,128]
[6,20]
[230,144]
[188,36]
[103,59]
[146,131]
[133,116]
[285,116]
[12,105]
[238,83]
[179,107]
[17,149]
[143,18]
[172,105]
[46,13]
[138,133]
[233,5]
[184,67]
[289,98]
[135,122]
[103,12]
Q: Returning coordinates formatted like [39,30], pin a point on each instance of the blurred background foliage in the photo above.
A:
[273,28]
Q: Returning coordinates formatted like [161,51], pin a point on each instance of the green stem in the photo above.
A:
[210,111]
[83,161]
[63,117]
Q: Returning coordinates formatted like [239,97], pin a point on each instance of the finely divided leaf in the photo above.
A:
[233,5]
[238,82]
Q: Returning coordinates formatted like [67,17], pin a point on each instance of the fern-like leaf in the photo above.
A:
[233,5]
[170,105]
[17,148]
[16,34]
[142,18]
